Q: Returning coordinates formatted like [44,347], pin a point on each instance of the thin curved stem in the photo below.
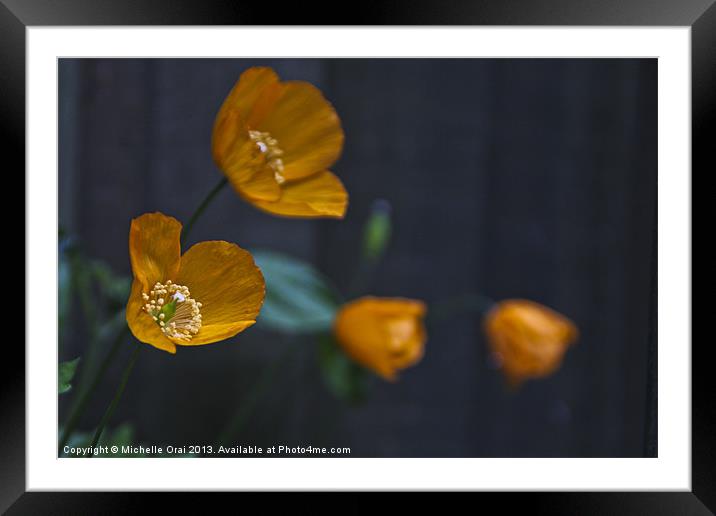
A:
[81,405]
[200,209]
[250,401]
[117,396]
[86,393]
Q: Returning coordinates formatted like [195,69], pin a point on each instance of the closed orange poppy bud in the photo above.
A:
[382,334]
[528,340]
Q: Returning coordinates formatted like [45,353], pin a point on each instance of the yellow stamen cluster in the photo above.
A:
[268,145]
[181,323]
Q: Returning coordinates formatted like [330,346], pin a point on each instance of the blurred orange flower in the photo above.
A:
[208,294]
[382,334]
[275,140]
[527,339]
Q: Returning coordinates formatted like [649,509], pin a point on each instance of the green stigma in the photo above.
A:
[168,309]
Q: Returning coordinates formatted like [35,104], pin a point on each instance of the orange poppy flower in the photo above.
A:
[275,140]
[208,294]
[382,334]
[527,339]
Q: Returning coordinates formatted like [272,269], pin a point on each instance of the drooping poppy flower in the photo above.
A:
[208,294]
[527,339]
[382,334]
[275,141]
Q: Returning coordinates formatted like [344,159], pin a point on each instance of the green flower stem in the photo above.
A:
[117,396]
[258,390]
[466,303]
[200,209]
[376,237]
[85,395]
[81,405]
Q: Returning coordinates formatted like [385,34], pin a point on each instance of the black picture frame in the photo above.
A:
[700,15]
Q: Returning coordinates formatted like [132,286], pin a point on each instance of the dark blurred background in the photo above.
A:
[532,178]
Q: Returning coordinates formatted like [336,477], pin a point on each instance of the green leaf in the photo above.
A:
[123,435]
[115,287]
[346,380]
[65,374]
[64,293]
[299,299]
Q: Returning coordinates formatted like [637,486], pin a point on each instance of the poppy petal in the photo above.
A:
[154,248]
[396,305]
[142,325]
[320,195]
[247,171]
[231,147]
[306,127]
[247,91]
[226,281]
[230,126]
[262,186]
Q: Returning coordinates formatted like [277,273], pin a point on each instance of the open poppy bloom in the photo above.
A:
[208,294]
[275,140]
[382,334]
[528,340]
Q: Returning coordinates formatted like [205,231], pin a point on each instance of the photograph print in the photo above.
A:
[357,257]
